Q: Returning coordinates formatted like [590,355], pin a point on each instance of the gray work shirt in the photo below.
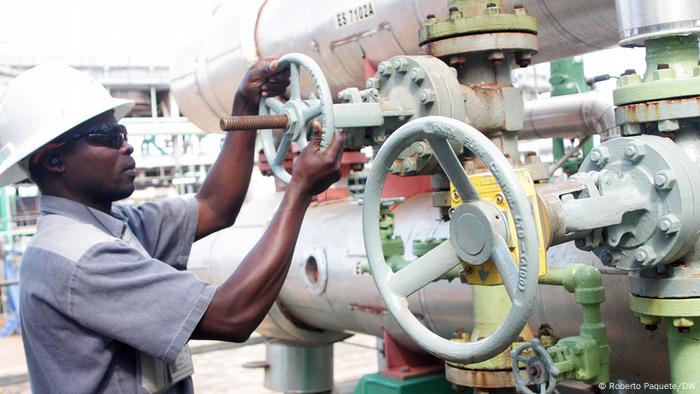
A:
[93,305]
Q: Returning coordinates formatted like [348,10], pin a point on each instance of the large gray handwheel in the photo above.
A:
[475,237]
[300,113]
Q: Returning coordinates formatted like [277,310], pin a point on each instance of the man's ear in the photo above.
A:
[52,162]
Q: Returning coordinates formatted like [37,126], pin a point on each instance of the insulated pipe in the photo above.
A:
[327,297]
[641,21]
[568,116]
[206,73]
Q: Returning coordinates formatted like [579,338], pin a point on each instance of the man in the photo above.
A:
[107,305]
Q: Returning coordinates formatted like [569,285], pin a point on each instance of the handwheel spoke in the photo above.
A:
[274,104]
[423,270]
[285,144]
[294,82]
[503,259]
[453,168]
[313,111]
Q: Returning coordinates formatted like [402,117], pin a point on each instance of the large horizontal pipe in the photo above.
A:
[206,73]
[569,116]
[331,298]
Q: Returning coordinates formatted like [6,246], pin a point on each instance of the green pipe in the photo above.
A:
[680,53]
[567,77]
[684,353]
[586,283]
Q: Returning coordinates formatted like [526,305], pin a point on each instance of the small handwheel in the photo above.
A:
[300,112]
[539,368]
[475,237]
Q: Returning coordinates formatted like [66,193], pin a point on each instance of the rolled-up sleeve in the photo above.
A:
[116,291]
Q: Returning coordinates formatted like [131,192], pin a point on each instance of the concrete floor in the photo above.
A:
[217,371]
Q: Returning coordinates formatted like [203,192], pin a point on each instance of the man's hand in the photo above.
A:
[315,170]
[263,79]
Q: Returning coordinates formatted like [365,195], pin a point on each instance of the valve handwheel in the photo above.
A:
[300,112]
[539,368]
[476,236]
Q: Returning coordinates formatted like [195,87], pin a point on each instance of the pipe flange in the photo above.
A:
[425,86]
[657,186]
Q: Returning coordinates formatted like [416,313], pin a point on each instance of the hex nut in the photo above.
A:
[372,83]
[600,156]
[682,322]
[427,96]
[400,64]
[664,179]
[385,69]
[645,255]
[634,151]
[417,75]
[669,224]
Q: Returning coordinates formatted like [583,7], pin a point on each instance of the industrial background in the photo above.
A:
[520,201]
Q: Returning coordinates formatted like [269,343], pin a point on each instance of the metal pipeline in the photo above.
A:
[569,116]
[206,73]
[327,297]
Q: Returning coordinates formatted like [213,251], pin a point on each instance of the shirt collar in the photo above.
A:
[113,224]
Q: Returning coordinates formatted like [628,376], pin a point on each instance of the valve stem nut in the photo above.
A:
[664,179]
[634,151]
[600,156]
[426,96]
[669,224]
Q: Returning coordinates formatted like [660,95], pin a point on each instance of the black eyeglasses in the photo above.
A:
[110,135]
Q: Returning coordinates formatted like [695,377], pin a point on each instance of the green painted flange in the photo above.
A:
[519,21]
[666,307]
[633,90]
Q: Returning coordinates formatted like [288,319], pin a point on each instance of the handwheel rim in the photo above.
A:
[522,301]
[326,102]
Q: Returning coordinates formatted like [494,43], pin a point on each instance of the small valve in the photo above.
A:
[539,367]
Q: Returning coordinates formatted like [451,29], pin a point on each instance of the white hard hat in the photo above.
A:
[41,104]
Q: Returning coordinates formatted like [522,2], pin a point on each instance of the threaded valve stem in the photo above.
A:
[253,122]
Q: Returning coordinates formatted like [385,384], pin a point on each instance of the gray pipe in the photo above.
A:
[333,298]
[569,116]
[206,73]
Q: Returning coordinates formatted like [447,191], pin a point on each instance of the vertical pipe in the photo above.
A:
[5,216]
[154,102]
[567,77]
[684,353]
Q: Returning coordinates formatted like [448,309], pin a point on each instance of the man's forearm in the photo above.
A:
[254,286]
[223,192]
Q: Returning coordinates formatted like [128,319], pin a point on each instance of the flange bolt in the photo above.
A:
[427,96]
[372,83]
[384,69]
[400,64]
[645,256]
[417,75]
[600,156]
[664,179]
[669,224]
[634,151]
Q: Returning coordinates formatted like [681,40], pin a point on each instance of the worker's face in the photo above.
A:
[96,171]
